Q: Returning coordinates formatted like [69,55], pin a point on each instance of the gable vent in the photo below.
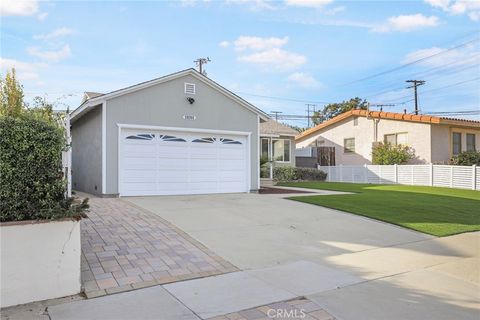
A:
[189,88]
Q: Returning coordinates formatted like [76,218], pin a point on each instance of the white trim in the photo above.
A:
[122,126]
[104,147]
[259,151]
[147,127]
[119,162]
[269,136]
[192,72]
[276,135]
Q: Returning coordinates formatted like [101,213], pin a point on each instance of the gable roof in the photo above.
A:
[390,116]
[95,98]
[272,127]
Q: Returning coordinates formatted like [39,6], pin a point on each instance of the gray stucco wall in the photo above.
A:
[87,152]
[164,105]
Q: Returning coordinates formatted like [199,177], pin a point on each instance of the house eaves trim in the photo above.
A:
[388,116]
[100,99]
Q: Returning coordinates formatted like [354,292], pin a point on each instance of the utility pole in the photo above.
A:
[200,62]
[276,114]
[308,111]
[415,84]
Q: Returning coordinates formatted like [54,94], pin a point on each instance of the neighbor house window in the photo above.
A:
[456,143]
[265,148]
[281,150]
[355,121]
[471,142]
[349,145]
[396,138]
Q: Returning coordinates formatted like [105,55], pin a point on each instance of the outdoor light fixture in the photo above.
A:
[191,100]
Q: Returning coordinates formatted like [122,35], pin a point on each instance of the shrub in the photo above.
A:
[32,184]
[294,174]
[386,153]
[467,158]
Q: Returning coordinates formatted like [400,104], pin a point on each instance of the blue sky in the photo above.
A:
[310,51]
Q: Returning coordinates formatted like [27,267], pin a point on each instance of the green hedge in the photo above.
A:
[467,158]
[32,184]
[301,174]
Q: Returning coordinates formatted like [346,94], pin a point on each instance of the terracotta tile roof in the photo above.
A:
[274,127]
[391,116]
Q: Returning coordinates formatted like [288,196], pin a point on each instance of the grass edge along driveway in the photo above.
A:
[432,210]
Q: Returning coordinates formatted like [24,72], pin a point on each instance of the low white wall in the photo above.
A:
[39,260]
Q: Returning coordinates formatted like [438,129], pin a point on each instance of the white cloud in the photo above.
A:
[257,43]
[475,15]
[188,3]
[224,44]
[334,11]
[405,23]
[276,58]
[308,3]
[458,7]
[304,80]
[42,16]
[254,5]
[25,70]
[57,33]
[51,56]
[18,7]
[457,57]
[443,4]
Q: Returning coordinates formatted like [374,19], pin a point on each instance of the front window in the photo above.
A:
[396,139]
[349,145]
[265,149]
[471,142]
[281,150]
[456,143]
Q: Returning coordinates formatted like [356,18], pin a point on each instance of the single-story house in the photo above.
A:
[179,134]
[277,146]
[348,138]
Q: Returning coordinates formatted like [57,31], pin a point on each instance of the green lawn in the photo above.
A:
[436,211]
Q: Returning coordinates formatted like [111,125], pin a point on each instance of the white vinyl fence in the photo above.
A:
[64,120]
[463,177]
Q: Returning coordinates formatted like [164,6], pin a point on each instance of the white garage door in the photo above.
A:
[174,162]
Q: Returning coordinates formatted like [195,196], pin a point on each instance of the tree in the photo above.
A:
[11,95]
[386,153]
[334,109]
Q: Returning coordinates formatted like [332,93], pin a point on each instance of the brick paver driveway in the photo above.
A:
[125,247]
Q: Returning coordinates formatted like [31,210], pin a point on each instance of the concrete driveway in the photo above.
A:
[353,267]
[253,231]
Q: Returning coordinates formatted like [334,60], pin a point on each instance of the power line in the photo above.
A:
[430,74]
[282,98]
[413,62]
[434,89]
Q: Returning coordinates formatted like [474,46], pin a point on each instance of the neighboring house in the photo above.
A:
[178,134]
[277,145]
[348,138]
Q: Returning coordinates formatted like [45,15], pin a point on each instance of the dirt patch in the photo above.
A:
[266,190]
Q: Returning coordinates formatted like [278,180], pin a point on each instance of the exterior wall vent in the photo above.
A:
[189,88]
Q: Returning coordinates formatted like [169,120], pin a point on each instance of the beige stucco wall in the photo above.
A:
[365,134]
